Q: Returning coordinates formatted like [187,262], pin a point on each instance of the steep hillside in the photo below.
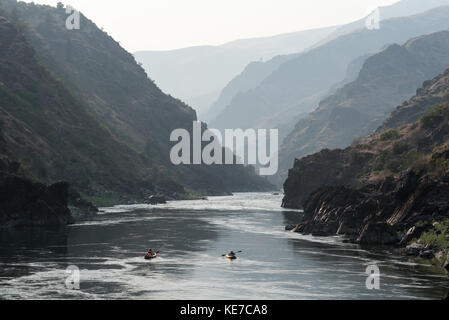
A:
[385,80]
[421,146]
[198,74]
[248,79]
[52,134]
[128,106]
[433,92]
[299,84]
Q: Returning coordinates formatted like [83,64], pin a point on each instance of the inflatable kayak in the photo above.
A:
[147,257]
[231,257]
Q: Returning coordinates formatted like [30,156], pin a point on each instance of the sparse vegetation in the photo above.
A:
[435,117]
[389,135]
[400,148]
[437,237]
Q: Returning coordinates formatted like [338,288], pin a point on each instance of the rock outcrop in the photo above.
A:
[24,203]
[79,205]
[382,213]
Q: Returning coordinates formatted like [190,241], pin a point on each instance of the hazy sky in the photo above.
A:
[171,24]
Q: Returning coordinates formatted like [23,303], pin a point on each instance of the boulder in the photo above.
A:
[427,254]
[156,199]
[414,249]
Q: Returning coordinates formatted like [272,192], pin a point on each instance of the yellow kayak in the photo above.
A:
[231,257]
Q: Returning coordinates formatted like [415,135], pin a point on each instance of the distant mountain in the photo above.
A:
[385,80]
[121,104]
[414,138]
[253,75]
[300,83]
[249,79]
[197,75]
[399,9]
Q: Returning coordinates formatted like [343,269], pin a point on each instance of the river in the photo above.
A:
[192,236]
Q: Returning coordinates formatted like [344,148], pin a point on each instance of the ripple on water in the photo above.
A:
[192,235]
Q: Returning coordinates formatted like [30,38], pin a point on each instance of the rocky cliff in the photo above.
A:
[24,203]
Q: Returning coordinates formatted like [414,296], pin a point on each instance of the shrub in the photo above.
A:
[400,148]
[441,164]
[365,146]
[393,165]
[437,236]
[389,135]
[411,158]
[381,161]
[434,117]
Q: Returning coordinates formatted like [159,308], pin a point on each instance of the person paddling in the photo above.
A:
[150,254]
[231,255]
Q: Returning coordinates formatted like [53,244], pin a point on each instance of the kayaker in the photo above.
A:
[231,254]
[150,252]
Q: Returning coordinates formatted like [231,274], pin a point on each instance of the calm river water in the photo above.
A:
[192,236]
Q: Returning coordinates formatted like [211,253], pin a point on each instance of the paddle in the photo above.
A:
[223,255]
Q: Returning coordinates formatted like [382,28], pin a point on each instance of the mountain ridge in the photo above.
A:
[358,108]
[309,76]
[117,94]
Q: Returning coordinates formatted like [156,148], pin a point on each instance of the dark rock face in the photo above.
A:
[326,168]
[26,203]
[413,250]
[76,200]
[383,213]
[378,233]
[156,199]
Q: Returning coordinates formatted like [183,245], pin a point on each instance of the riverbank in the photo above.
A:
[410,212]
